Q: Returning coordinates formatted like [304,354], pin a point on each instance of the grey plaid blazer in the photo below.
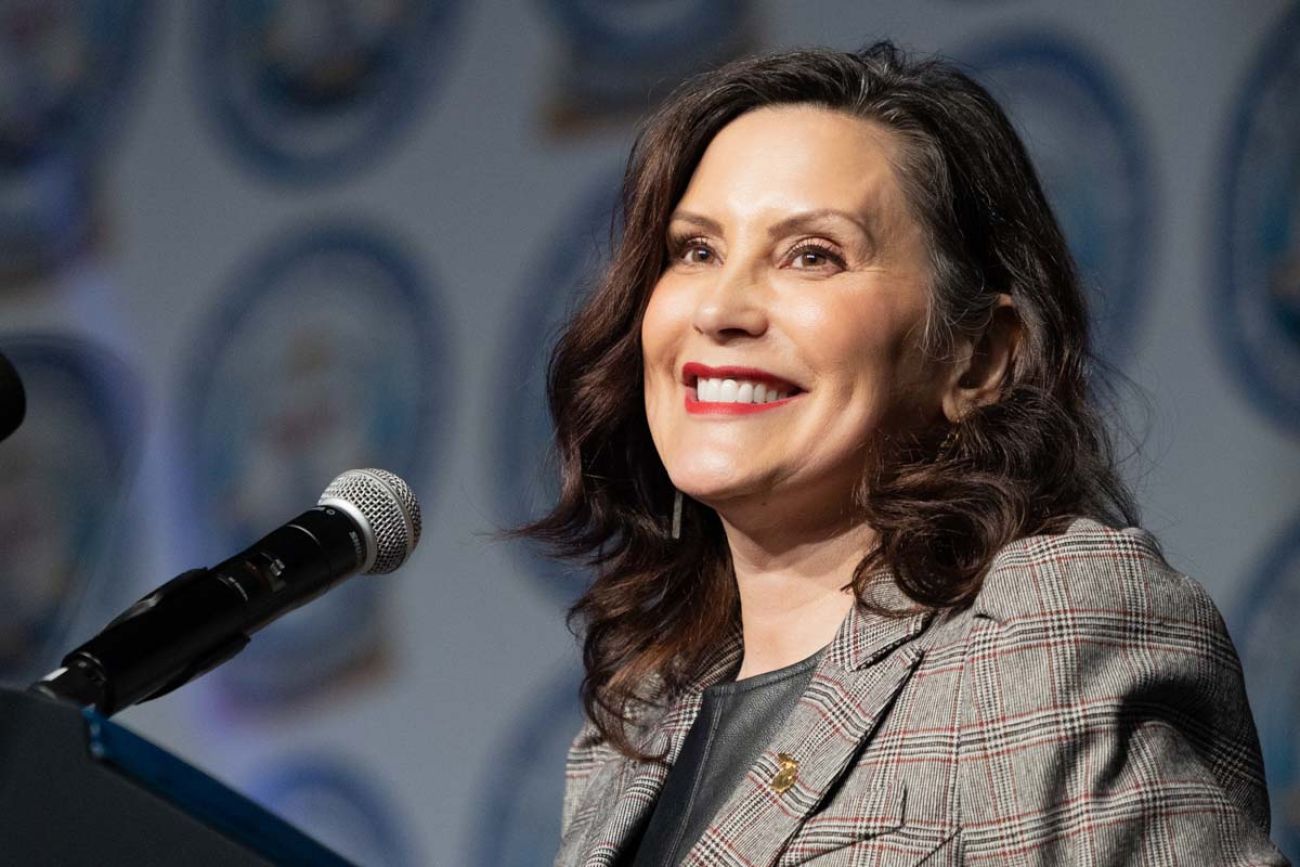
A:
[1087,709]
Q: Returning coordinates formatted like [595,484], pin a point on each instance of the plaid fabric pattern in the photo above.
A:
[1087,709]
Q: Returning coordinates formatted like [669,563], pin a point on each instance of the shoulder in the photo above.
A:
[588,750]
[1103,680]
[1102,608]
[1096,613]
[1094,578]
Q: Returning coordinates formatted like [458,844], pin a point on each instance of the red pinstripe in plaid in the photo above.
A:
[1087,709]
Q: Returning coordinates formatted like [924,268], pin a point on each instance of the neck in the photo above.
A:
[790,583]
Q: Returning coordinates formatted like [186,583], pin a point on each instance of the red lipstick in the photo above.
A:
[694,371]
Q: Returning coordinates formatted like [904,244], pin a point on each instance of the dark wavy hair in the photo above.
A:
[941,506]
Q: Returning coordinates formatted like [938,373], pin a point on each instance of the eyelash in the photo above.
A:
[825,251]
[681,245]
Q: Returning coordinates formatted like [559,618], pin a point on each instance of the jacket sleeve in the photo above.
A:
[1104,716]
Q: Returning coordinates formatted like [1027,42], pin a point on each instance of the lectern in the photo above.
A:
[77,789]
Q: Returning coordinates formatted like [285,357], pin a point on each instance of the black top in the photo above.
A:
[737,721]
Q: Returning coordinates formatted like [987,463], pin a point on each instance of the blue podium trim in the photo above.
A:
[202,797]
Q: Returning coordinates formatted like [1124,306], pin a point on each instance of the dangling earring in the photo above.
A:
[677,514]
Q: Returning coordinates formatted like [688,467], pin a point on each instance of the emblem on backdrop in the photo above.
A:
[64,477]
[64,72]
[313,90]
[526,479]
[520,826]
[1256,310]
[323,355]
[339,807]
[1087,145]
[1270,645]
[620,57]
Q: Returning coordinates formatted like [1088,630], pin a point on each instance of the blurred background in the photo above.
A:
[247,244]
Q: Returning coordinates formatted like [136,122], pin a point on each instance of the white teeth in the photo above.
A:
[735,391]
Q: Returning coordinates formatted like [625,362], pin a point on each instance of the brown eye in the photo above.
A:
[815,257]
[694,251]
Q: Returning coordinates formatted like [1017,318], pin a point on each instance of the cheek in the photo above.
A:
[872,347]
[657,350]
[664,326]
[855,339]
[654,328]
[667,314]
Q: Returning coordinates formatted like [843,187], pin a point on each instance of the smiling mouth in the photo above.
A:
[734,391]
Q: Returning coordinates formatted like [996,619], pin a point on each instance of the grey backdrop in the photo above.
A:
[261,247]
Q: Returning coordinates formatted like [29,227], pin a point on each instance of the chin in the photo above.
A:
[713,486]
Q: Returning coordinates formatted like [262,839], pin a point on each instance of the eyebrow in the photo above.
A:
[806,219]
[706,223]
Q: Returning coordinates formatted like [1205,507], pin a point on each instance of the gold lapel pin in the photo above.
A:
[783,779]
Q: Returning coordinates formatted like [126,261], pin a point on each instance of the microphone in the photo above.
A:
[366,521]
[13,400]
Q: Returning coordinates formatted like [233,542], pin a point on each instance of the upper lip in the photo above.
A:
[694,370]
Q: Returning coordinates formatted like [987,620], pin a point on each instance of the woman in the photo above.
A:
[825,430]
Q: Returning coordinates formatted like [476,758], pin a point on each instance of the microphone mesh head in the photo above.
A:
[388,505]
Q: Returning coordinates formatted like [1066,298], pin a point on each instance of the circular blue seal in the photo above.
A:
[526,479]
[65,70]
[336,805]
[520,824]
[323,356]
[1093,162]
[647,29]
[1265,632]
[46,216]
[623,54]
[1256,312]
[64,477]
[312,90]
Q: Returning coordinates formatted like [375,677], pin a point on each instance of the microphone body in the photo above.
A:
[203,617]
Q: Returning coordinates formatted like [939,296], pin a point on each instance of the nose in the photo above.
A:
[732,305]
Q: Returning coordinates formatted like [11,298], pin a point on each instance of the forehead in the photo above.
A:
[788,157]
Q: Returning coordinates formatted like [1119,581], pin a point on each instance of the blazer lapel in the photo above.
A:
[641,782]
[855,682]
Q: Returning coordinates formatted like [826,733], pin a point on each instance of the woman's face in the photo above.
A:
[786,330]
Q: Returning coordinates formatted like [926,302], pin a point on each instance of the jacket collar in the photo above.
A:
[865,636]
[865,665]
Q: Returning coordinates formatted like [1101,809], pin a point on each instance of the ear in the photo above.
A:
[983,362]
